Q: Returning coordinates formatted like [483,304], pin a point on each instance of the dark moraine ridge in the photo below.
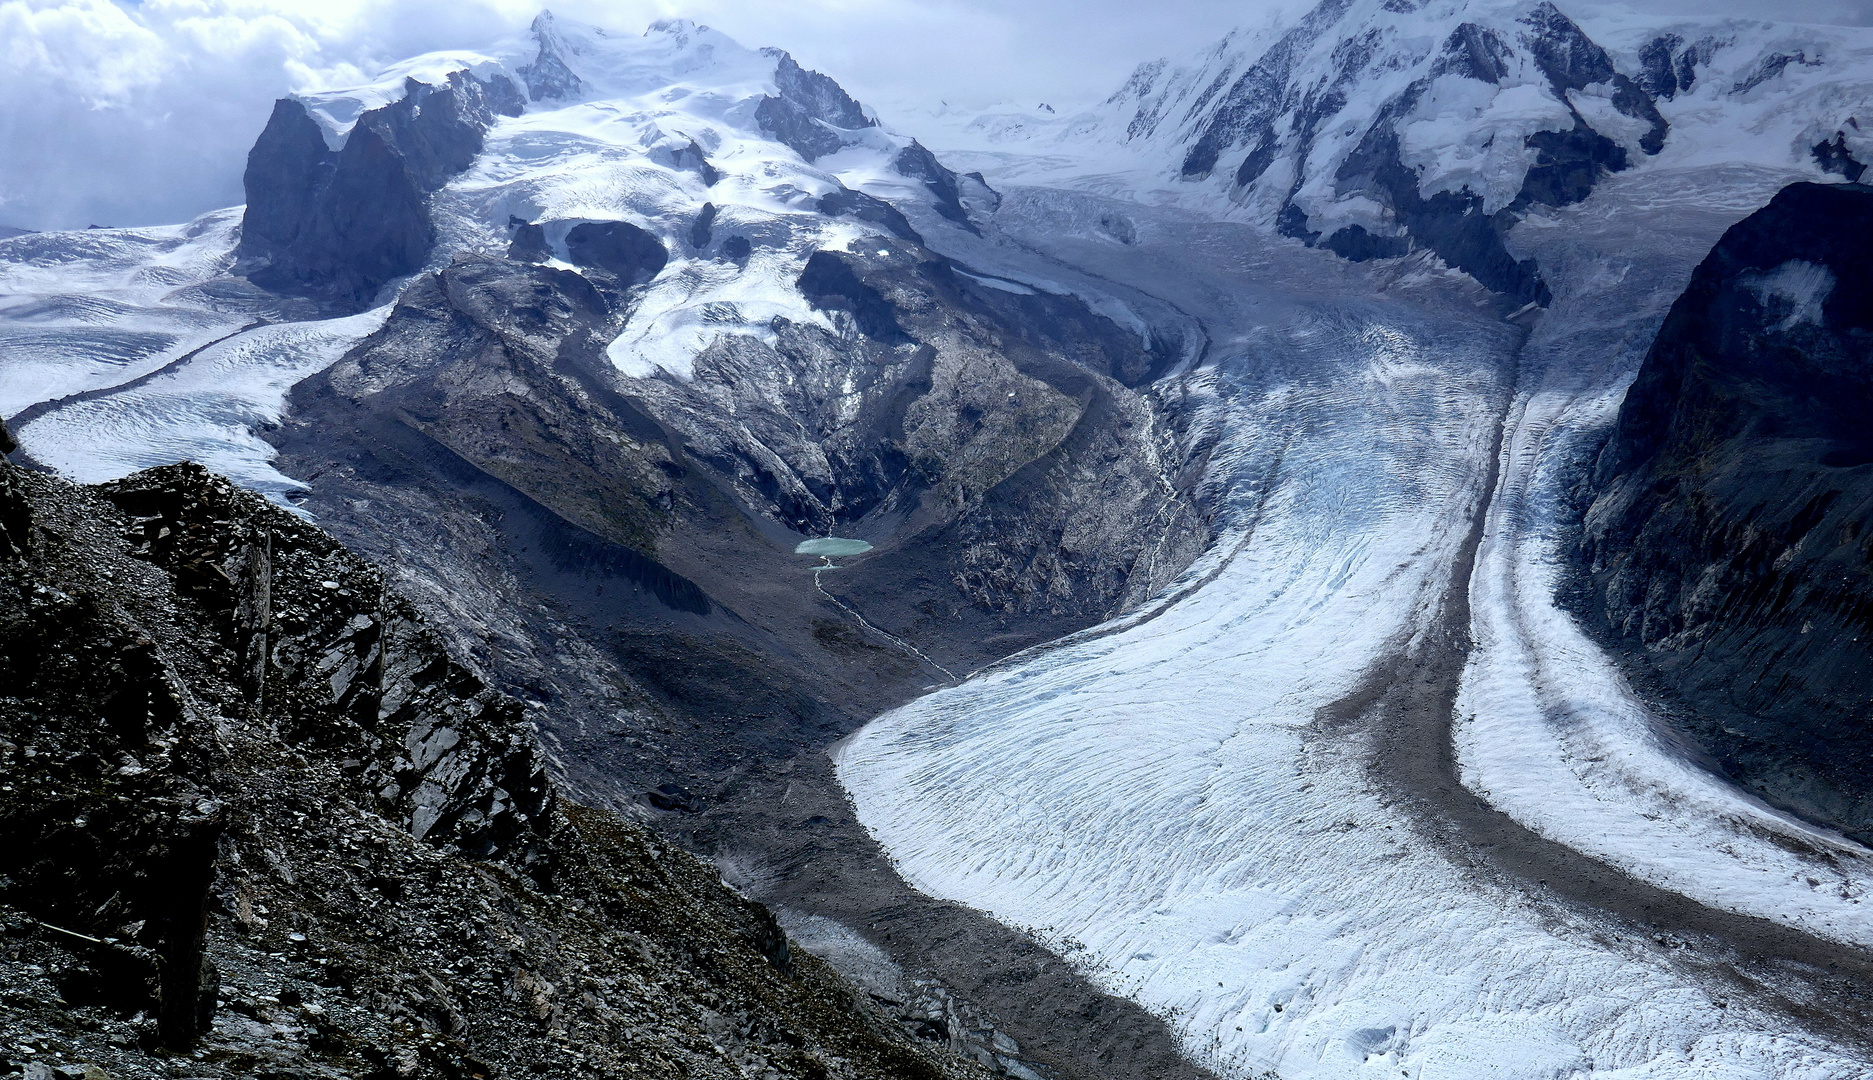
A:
[1406,705]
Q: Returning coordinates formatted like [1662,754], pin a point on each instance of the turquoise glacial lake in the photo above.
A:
[832,545]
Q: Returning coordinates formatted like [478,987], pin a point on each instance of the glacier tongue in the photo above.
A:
[1183,803]
[1547,727]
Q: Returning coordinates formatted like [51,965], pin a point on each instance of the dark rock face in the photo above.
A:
[338,224]
[528,243]
[1834,156]
[1728,533]
[702,230]
[830,284]
[1668,65]
[693,158]
[241,770]
[1452,224]
[856,204]
[813,116]
[810,111]
[619,248]
[1571,61]
[920,164]
[1357,245]
[1770,67]
[1246,113]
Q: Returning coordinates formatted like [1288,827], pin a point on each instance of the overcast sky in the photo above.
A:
[132,113]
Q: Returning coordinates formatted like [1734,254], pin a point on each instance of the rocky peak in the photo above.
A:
[811,113]
[548,77]
[339,223]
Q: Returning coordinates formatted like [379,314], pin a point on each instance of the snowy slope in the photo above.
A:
[126,348]
[658,128]
[87,309]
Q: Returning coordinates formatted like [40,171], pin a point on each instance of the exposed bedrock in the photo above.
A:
[988,442]
[256,813]
[339,224]
[992,432]
[1729,533]
[627,252]
[814,116]
[811,113]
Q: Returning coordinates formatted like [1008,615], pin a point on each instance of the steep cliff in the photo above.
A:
[261,823]
[337,223]
[1728,531]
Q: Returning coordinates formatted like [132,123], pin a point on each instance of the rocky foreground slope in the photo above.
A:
[260,824]
[1728,528]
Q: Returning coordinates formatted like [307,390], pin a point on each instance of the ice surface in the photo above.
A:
[1161,800]
[98,307]
[204,411]
[177,362]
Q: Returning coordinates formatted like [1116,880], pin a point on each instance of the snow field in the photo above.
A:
[99,307]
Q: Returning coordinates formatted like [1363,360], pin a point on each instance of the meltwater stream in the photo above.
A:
[1163,801]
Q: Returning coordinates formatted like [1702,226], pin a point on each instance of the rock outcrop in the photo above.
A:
[1730,531]
[338,224]
[259,821]
[811,113]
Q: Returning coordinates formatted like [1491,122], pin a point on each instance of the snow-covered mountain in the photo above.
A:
[1376,127]
[714,171]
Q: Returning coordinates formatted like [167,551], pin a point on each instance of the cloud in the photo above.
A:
[142,112]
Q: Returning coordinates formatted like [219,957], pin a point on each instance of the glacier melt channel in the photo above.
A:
[1171,803]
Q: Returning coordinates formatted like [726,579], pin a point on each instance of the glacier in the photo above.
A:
[1193,802]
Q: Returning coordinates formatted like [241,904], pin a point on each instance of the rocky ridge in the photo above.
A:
[289,836]
[339,223]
